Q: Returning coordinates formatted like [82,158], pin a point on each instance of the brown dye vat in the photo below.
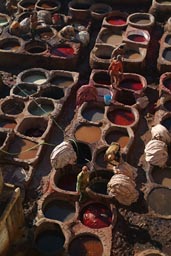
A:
[8,124]
[113,39]
[162,176]
[10,46]
[168,39]
[86,245]
[167,54]
[117,136]
[88,134]
[140,21]
[159,201]
[131,54]
[12,107]
[23,149]
[62,81]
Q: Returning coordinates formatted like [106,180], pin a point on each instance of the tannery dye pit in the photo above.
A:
[85,128]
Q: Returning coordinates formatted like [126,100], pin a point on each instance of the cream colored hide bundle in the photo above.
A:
[63,155]
[156,153]
[161,133]
[123,189]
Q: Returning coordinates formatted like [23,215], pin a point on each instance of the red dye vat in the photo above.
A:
[117,21]
[121,117]
[68,182]
[167,83]
[96,216]
[137,38]
[131,84]
[63,51]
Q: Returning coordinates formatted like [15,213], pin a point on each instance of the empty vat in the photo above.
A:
[40,107]
[12,106]
[58,210]
[161,176]
[85,245]
[96,215]
[121,116]
[159,201]
[50,239]
[88,133]
[93,112]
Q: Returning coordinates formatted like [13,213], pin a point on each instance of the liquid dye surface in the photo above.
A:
[168,39]
[140,21]
[23,149]
[162,176]
[131,84]
[59,210]
[10,46]
[167,54]
[99,186]
[117,136]
[117,21]
[62,81]
[25,91]
[137,38]
[41,110]
[3,21]
[86,245]
[113,39]
[159,201]
[12,107]
[50,241]
[93,114]
[7,124]
[121,117]
[167,105]
[167,83]
[36,79]
[88,134]
[96,216]
[67,182]
[132,55]
[62,51]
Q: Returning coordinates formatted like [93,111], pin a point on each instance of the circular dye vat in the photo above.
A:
[85,245]
[167,54]
[67,182]
[62,51]
[168,39]
[162,176]
[113,39]
[159,201]
[137,38]
[151,252]
[123,117]
[131,84]
[102,78]
[118,136]
[53,93]
[35,47]
[41,109]
[93,113]
[167,123]
[167,83]
[62,81]
[167,105]
[47,5]
[83,152]
[116,21]
[36,131]
[28,5]
[59,210]
[25,90]
[10,45]
[12,107]
[8,124]
[139,20]
[96,216]
[35,78]
[50,241]
[88,134]
[23,149]
[99,186]
[3,20]
[131,54]
[125,97]
[81,6]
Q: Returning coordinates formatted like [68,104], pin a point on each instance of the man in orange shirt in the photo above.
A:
[116,70]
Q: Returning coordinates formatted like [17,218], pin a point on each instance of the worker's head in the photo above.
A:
[85,168]
[119,57]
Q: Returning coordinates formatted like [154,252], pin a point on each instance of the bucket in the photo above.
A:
[107,99]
